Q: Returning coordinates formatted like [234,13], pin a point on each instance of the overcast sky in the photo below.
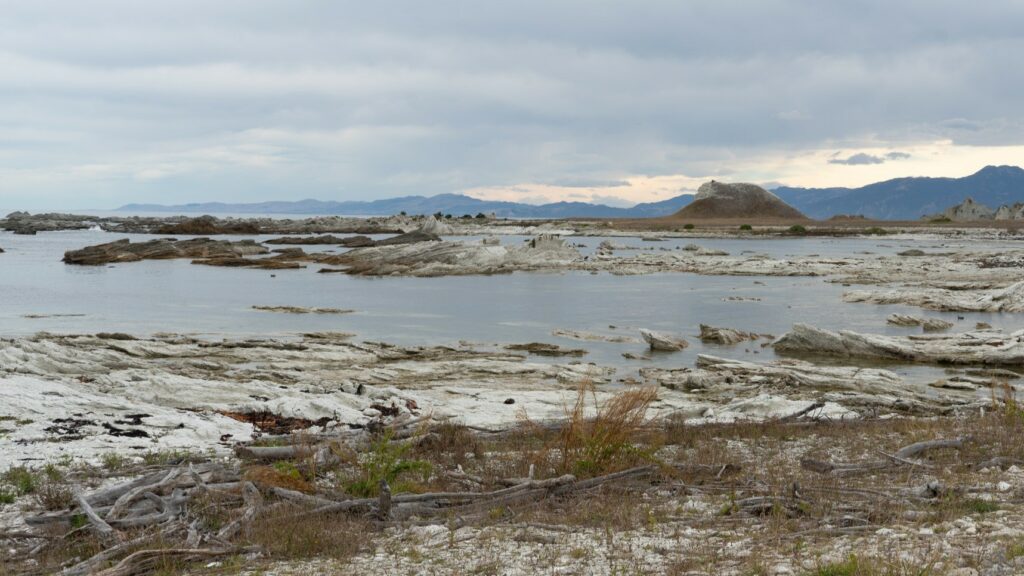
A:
[108,102]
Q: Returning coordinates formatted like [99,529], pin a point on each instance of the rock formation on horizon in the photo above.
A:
[968,210]
[721,200]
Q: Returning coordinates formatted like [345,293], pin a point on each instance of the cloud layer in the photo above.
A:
[116,101]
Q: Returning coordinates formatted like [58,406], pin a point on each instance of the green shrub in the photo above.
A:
[113,461]
[797,229]
[875,230]
[688,227]
[289,469]
[20,480]
[746,227]
[386,461]
[979,506]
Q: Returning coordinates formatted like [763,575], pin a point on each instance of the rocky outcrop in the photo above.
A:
[432,225]
[440,258]
[702,251]
[721,200]
[209,226]
[1010,212]
[725,379]
[1009,299]
[25,223]
[968,211]
[979,347]
[162,249]
[929,324]
[325,239]
[725,335]
[408,238]
[663,342]
[357,241]
[182,381]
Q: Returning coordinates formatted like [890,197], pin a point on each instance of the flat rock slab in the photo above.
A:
[980,347]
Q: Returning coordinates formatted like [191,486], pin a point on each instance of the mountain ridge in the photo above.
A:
[454,204]
[909,198]
[906,198]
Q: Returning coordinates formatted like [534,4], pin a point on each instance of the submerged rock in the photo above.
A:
[587,336]
[542,349]
[663,342]
[302,310]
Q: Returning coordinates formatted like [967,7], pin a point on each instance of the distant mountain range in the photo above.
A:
[898,199]
[454,204]
[909,198]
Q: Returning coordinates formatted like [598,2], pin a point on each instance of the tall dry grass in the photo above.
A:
[596,437]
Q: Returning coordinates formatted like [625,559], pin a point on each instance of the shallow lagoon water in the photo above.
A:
[175,296]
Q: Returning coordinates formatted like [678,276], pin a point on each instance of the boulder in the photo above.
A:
[929,324]
[724,335]
[663,342]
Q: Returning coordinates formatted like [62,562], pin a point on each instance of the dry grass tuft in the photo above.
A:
[615,437]
[278,476]
[288,535]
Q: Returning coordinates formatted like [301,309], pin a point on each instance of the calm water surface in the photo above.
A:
[175,296]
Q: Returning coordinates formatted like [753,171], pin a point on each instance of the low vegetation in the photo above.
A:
[630,480]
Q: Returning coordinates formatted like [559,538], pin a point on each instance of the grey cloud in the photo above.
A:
[587,183]
[858,159]
[862,158]
[117,100]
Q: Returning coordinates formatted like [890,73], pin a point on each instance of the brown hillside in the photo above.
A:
[720,200]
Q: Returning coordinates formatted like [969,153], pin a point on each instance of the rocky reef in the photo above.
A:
[162,249]
[441,258]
